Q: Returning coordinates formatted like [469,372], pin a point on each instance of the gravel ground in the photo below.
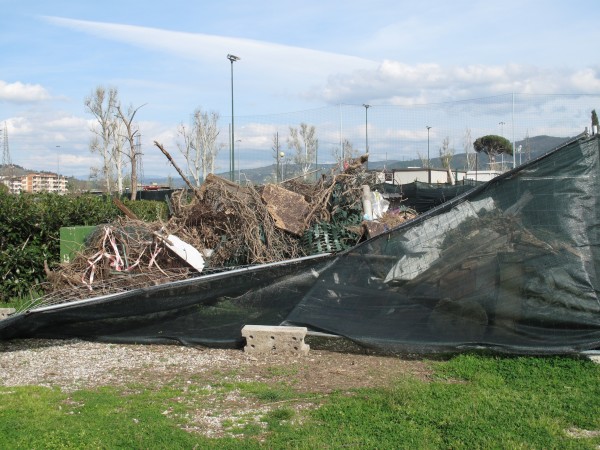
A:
[75,364]
[71,365]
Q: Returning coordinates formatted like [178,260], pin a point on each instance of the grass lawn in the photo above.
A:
[470,402]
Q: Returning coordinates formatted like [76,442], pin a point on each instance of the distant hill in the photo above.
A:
[13,169]
[531,148]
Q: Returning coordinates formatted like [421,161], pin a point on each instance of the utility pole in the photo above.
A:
[367,132]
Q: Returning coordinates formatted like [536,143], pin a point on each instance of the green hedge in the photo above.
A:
[30,232]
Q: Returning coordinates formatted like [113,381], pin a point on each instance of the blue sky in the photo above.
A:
[171,58]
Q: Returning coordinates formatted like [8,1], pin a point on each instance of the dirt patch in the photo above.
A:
[216,405]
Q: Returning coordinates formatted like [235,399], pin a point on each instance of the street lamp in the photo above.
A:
[58,161]
[428,162]
[232,59]
[367,131]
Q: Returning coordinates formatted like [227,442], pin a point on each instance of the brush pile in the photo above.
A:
[229,225]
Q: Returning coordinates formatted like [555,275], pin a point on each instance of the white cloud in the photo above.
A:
[266,57]
[22,93]
[174,71]
[397,83]
[587,80]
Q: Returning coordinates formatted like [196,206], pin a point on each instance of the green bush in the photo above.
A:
[148,210]
[30,232]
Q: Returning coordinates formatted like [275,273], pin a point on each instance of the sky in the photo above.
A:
[169,58]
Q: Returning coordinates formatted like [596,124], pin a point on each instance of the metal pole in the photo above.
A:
[367,131]
[502,156]
[232,162]
[342,150]
[230,168]
[58,160]
[428,161]
[513,130]
[277,156]
[238,164]
[232,59]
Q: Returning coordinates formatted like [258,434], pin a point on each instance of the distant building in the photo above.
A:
[13,184]
[36,183]
[424,175]
[482,175]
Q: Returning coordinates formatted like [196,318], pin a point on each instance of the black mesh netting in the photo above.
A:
[509,266]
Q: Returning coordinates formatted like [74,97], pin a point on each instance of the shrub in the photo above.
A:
[148,210]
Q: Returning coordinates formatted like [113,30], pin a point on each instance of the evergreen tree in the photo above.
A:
[493,145]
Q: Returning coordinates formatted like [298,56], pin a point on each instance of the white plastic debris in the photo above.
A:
[185,251]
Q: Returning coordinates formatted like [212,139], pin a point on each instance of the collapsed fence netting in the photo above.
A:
[509,266]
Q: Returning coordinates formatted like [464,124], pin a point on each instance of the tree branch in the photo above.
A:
[181,174]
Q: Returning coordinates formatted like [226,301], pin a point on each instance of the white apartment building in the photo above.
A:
[36,183]
[12,183]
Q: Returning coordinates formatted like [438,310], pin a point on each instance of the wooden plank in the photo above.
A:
[288,209]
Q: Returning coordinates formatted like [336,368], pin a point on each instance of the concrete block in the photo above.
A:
[5,312]
[595,358]
[264,339]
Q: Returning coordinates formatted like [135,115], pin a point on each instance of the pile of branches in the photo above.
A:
[125,254]
[232,222]
[228,223]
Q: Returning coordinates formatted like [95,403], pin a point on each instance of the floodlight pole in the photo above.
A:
[367,132]
[428,161]
[58,161]
[232,59]
[502,134]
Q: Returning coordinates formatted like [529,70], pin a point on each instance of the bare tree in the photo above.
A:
[118,152]
[278,156]
[192,159]
[469,152]
[130,135]
[102,104]
[446,153]
[425,162]
[199,146]
[304,143]
[344,154]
